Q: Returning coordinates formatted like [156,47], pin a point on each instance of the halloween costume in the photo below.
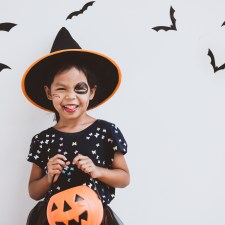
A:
[66,50]
[99,142]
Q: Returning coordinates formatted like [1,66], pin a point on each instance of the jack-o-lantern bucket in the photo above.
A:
[78,205]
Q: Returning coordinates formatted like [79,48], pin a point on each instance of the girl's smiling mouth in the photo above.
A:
[70,107]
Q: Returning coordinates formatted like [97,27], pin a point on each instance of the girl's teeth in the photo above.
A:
[70,106]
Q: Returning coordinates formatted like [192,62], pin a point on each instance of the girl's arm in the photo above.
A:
[39,183]
[118,176]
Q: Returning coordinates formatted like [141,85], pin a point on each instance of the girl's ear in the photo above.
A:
[92,92]
[48,92]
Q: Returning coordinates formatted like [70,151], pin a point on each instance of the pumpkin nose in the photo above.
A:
[66,207]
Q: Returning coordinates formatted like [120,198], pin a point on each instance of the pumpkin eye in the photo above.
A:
[54,207]
[66,207]
[78,198]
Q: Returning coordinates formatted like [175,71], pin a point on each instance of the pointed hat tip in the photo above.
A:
[63,41]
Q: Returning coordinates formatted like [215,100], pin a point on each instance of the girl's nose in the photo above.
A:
[71,95]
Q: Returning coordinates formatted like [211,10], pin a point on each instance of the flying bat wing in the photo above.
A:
[162,28]
[210,54]
[166,28]
[7,26]
[173,20]
[76,13]
[3,66]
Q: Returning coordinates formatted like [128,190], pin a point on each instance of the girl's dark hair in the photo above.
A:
[91,78]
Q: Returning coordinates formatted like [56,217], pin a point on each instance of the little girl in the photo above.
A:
[68,82]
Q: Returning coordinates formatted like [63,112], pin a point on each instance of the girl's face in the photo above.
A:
[70,93]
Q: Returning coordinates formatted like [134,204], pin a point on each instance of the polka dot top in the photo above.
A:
[99,142]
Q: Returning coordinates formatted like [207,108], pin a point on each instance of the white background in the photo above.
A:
[170,106]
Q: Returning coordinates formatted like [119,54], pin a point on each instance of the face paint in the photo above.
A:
[55,96]
[81,88]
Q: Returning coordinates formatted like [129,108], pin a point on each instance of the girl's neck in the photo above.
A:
[74,125]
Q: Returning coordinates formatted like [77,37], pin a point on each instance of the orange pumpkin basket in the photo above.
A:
[78,205]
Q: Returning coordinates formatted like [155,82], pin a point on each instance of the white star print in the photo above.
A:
[96,135]
[36,156]
[93,152]
[115,148]
[110,140]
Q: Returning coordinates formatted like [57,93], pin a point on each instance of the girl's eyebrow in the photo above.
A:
[60,84]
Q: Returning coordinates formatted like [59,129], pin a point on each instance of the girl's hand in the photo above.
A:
[55,166]
[85,164]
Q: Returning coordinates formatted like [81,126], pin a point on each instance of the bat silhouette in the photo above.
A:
[215,68]
[223,24]
[172,26]
[76,13]
[3,66]
[7,26]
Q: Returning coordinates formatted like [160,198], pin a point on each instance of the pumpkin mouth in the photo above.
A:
[83,216]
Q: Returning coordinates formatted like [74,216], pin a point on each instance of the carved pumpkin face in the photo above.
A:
[75,206]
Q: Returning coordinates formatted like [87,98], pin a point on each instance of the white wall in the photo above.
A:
[170,107]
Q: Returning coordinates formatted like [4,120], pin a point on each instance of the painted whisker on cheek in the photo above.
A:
[55,96]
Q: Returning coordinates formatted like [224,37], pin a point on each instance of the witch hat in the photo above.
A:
[65,49]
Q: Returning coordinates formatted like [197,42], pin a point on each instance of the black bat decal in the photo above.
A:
[223,24]
[172,26]
[215,68]
[3,66]
[7,26]
[76,13]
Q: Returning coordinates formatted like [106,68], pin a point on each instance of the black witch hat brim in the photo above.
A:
[106,70]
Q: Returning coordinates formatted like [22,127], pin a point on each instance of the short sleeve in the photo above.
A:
[36,154]
[117,140]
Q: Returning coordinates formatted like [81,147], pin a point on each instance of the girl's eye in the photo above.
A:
[81,88]
[81,91]
[60,89]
